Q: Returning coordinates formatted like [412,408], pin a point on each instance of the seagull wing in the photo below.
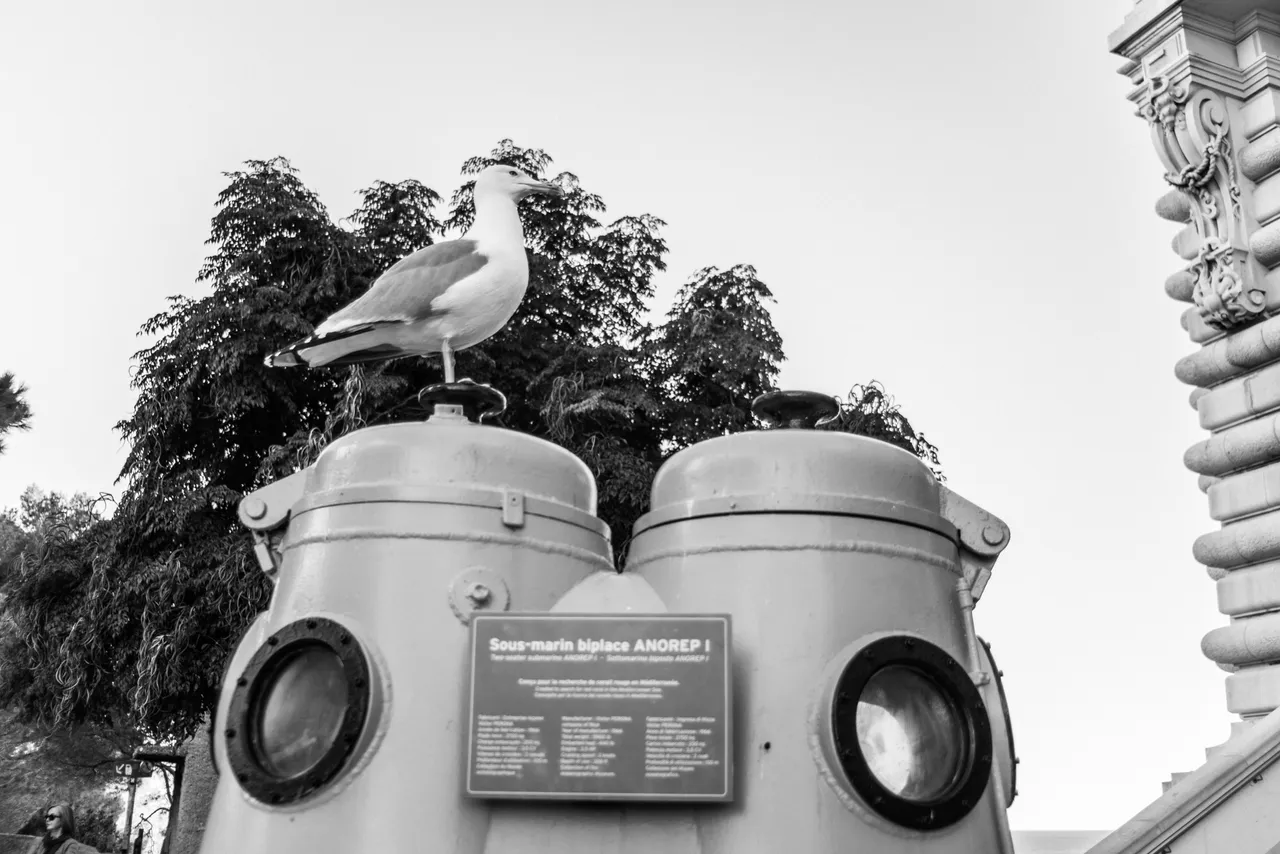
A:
[404,294]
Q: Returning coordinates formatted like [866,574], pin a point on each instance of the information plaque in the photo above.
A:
[600,707]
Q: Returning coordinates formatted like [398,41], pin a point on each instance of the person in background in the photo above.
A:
[60,832]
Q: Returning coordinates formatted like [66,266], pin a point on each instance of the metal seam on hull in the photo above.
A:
[883,549]
[861,506]
[447,494]
[487,539]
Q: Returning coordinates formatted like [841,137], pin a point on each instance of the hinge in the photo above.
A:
[982,537]
[265,512]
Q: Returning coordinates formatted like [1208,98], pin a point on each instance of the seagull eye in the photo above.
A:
[513,173]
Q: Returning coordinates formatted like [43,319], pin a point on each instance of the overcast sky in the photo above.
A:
[957,202]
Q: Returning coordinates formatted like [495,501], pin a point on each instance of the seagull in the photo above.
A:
[441,299]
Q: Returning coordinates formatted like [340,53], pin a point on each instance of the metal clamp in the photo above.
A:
[983,537]
[265,512]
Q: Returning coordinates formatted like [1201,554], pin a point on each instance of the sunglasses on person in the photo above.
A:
[53,816]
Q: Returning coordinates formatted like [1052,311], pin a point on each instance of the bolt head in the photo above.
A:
[478,593]
[993,535]
[255,508]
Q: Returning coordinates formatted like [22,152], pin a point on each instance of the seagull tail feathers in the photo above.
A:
[286,358]
[352,346]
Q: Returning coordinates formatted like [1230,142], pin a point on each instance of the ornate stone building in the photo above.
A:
[1205,80]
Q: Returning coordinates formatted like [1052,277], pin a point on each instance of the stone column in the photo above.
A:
[1206,76]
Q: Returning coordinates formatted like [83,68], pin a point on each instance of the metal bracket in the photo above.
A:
[982,537]
[265,512]
[513,508]
[478,589]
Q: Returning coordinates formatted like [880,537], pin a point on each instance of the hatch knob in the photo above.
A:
[477,401]
[795,410]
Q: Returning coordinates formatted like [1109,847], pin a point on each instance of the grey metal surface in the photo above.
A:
[400,534]
[796,470]
[817,544]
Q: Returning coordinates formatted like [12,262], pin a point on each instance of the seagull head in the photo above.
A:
[512,183]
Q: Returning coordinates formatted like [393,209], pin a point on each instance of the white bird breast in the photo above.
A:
[477,307]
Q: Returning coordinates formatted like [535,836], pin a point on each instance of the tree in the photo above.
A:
[15,414]
[40,764]
[157,595]
[716,353]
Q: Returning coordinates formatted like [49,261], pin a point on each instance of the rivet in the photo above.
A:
[311,624]
[344,639]
[231,733]
[255,508]
[908,642]
[241,682]
[992,535]
[479,593]
[273,640]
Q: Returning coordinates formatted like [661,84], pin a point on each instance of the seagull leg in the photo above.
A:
[446,356]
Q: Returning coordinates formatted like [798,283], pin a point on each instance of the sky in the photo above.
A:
[957,202]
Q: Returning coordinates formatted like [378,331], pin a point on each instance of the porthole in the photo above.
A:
[911,733]
[297,711]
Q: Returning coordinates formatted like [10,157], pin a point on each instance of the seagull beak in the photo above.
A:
[545,187]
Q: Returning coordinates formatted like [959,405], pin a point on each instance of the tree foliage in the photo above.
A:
[39,764]
[133,617]
[15,413]
[870,411]
[715,354]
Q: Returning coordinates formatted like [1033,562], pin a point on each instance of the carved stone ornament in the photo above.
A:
[1163,103]
[1192,137]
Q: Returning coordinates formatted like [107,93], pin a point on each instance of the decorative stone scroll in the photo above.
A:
[1192,137]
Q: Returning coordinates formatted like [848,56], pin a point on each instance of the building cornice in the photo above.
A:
[1258,77]
[1154,20]
[1136,22]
